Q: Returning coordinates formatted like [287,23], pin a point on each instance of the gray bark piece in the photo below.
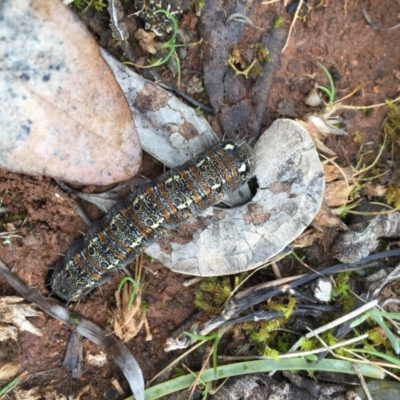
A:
[291,184]
[362,239]
[168,129]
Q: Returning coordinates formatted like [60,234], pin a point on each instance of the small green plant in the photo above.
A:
[330,92]
[357,138]
[170,44]
[213,294]
[308,344]
[248,60]
[78,4]
[343,292]
[198,380]
[393,194]
[199,5]
[199,111]
[134,291]
[17,216]
[216,337]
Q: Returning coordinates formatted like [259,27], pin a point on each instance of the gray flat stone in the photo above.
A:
[228,241]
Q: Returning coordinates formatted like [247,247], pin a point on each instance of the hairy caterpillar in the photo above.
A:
[159,206]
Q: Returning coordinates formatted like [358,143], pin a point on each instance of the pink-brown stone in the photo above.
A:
[62,113]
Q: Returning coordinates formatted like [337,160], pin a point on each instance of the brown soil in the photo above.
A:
[336,35]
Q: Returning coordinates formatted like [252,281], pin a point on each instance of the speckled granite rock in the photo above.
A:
[62,113]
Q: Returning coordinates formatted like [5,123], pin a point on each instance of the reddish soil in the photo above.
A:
[336,35]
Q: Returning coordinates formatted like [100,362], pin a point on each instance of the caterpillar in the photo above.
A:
[137,221]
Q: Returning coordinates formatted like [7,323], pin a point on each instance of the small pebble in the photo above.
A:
[323,289]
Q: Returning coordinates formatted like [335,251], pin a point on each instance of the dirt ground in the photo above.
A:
[335,34]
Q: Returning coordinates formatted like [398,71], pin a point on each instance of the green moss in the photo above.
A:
[83,5]
[278,22]
[262,53]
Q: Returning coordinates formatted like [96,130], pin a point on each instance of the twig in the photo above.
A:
[377,27]
[342,106]
[363,383]
[364,360]
[242,18]
[348,95]
[292,24]
[276,271]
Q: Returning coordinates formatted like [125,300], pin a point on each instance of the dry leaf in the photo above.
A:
[236,56]
[31,394]
[127,321]
[314,133]
[97,360]
[324,124]
[333,173]
[8,370]
[9,227]
[306,239]
[13,312]
[8,332]
[320,126]
[146,40]
[326,219]
[337,193]
[374,190]
[85,390]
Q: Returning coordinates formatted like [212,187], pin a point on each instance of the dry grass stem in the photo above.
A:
[296,14]
[362,381]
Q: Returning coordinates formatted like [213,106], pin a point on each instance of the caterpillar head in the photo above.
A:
[243,159]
